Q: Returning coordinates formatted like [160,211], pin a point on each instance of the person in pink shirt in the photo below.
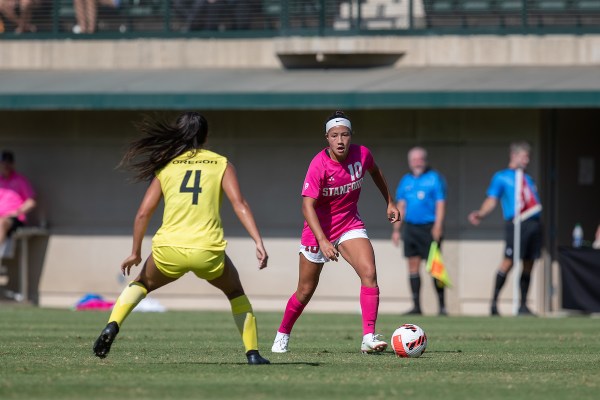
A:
[333,226]
[16,196]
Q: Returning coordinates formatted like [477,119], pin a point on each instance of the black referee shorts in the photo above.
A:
[531,239]
[417,240]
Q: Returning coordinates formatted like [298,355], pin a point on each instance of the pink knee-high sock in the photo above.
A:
[369,304]
[292,311]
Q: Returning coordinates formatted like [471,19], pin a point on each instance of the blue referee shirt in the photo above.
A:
[502,187]
[421,193]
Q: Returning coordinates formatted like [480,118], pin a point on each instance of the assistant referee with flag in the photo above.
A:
[502,188]
[421,199]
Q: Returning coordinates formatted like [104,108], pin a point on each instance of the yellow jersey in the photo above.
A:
[192,191]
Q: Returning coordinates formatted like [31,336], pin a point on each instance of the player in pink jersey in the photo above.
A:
[333,226]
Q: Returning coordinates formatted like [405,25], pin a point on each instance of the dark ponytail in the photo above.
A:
[162,141]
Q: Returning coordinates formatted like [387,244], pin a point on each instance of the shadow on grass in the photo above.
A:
[445,351]
[310,364]
[391,353]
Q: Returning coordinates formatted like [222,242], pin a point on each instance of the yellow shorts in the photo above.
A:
[174,262]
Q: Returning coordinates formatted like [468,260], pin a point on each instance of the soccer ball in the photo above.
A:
[409,341]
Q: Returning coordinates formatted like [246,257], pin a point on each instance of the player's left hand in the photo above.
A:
[262,256]
[393,213]
[129,262]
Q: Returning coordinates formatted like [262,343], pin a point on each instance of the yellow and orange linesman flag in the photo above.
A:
[435,266]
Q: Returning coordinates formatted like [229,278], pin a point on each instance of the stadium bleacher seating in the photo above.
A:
[310,16]
[511,13]
[128,16]
[378,14]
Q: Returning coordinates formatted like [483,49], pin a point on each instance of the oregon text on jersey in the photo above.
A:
[194,162]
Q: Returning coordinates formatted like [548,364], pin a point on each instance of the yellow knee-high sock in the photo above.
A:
[245,321]
[129,298]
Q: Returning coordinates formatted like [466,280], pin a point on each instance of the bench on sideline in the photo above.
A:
[20,239]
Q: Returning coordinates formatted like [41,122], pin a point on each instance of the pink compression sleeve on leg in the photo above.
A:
[369,305]
[292,311]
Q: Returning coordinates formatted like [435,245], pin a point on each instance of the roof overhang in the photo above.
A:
[273,89]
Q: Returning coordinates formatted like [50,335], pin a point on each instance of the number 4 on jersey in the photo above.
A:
[195,189]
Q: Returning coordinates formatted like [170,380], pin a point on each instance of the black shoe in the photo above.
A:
[443,312]
[254,358]
[525,312]
[414,311]
[104,341]
[494,310]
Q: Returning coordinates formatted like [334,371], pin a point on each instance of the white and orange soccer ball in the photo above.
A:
[409,341]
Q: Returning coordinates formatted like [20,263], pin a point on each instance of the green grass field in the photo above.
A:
[46,354]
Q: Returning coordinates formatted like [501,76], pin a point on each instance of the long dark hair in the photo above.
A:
[162,141]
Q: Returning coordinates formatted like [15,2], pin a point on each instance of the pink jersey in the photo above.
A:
[10,202]
[20,186]
[336,187]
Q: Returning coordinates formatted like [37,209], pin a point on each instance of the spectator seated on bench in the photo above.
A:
[16,196]
[16,201]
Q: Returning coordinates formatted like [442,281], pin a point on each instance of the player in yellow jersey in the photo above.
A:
[191,180]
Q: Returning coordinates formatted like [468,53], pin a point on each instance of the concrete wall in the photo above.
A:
[446,50]
[89,207]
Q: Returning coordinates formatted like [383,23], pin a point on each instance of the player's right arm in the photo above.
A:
[313,184]
[142,218]
[241,208]
[310,215]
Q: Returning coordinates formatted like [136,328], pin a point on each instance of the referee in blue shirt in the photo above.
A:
[421,198]
[502,188]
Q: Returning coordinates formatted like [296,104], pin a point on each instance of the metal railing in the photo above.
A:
[270,18]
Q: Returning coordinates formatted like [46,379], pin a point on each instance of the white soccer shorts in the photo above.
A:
[314,254]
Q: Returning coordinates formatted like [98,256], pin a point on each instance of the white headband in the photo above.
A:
[336,122]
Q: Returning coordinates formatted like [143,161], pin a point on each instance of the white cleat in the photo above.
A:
[372,343]
[280,344]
